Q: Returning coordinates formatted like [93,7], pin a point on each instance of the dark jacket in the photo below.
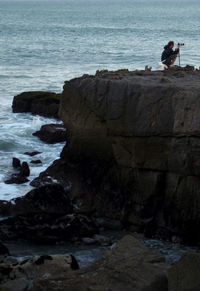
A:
[168,52]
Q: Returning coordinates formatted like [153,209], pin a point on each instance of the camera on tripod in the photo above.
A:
[181,44]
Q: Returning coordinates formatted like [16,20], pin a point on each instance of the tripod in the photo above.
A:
[179,59]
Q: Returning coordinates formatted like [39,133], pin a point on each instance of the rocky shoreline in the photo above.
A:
[130,162]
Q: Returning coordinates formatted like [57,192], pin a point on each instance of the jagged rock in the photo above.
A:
[109,223]
[24,170]
[185,274]
[16,163]
[44,214]
[102,240]
[133,150]
[128,266]
[47,228]
[51,133]
[20,276]
[36,162]
[32,153]
[4,252]
[16,179]
[41,103]
[49,199]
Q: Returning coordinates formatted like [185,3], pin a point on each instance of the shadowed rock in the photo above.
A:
[133,150]
[32,153]
[36,162]
[51,199]
[128,266]
[16,163]
[21,177]
[36,102]
[20,276]
[185,274]
[51,133]
[24,170]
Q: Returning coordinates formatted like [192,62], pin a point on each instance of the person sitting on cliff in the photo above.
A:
[169,55]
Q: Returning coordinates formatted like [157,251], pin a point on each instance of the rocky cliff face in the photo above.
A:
[134,148]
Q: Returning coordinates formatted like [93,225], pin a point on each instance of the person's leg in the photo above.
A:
[173,60]
[170,61]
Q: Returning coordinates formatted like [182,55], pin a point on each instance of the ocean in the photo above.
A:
[44,43]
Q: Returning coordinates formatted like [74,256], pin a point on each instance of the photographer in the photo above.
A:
[169,55]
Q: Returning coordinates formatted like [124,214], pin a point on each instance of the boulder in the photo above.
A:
[133,148]
[31,154]
[16,163]
[128,266]
[51,133]
[36,162]
[20,276]
[185,274]
[3,250]
[24,170]
[45,215]
[49,199]
[36,102]
[16,179]
[47,227]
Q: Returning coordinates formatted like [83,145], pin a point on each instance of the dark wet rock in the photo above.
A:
[109,223]
[36,162]
[97,239]
[185,274]
[41,259]
[102,240]
[32,153]
[16,179]
[88,240]
[128,266]
[21,276]
[51,133]
[47,228]
[49,199]
[3,250]
[44,215]
[24,170]
[57,171]
[16,163]
[133,150]
[41,103]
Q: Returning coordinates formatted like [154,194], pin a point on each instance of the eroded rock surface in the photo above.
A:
[133,148]
[37,102]
[44,215]
[20,276]
[185,274]
[51,133]
[128,266]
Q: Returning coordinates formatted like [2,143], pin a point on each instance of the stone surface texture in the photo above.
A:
[129,266]
[37,102]
[133,150]
[185,274]
[51,133]
[20,276]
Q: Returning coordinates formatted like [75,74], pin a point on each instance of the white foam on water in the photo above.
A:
[15,139]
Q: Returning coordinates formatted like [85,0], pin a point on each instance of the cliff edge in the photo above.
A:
[133,150]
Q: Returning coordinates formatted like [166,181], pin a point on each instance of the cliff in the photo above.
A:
[133,150]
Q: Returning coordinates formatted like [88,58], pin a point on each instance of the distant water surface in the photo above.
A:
[43,43]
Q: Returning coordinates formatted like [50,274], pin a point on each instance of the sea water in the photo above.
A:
[44,43]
